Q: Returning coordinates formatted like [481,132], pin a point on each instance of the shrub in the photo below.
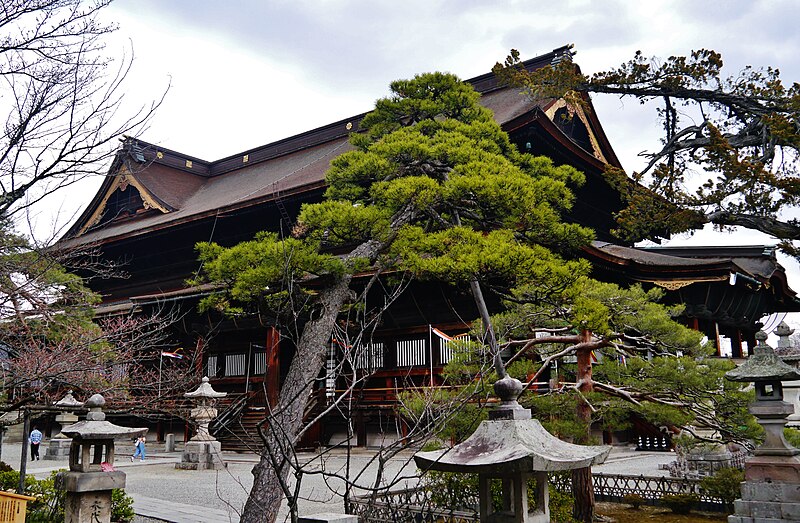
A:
[726,485]
[680,503]
[121,506]
[792,436]
[48,507]
[634,500]
[455,491]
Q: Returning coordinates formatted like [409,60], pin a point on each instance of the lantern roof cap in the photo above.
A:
[763,365]
[783,329]
[68,401]
[205,390]
[502,446]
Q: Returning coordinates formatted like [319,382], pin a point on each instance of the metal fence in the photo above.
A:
[413,504]
[407,505]
[614,487]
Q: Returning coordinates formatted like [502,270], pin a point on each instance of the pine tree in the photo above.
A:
[434,188]
[728,152]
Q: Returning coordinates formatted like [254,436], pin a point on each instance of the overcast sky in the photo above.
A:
[245,73]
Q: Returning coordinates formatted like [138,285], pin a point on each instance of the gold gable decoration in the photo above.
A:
[672,285]
[581,115]
[122,180]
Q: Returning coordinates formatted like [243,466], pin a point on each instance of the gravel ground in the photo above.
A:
[227,489]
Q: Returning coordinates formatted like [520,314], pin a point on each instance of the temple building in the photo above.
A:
[155,204]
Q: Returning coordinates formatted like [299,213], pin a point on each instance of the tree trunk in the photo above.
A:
[582,489]
[286,421]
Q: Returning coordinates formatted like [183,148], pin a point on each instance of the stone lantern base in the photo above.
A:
[202,455]
[770,492]
[88,496]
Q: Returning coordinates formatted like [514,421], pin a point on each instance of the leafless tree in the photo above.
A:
[60,93]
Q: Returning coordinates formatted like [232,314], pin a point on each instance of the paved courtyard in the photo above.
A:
[163,493]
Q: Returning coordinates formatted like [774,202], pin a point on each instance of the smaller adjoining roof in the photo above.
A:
[692,263]
[506,446]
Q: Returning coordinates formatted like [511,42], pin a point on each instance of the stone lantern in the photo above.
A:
[790,355]
[512,447]
[203,451]
[58,447]
[91,475]
[772,476]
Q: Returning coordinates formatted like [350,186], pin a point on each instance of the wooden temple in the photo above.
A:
[155,204]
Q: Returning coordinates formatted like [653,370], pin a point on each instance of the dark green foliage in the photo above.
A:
[686,391]
[121,506]
[634,500]
[792,436]
[438,185]
[680,503]
[726,485]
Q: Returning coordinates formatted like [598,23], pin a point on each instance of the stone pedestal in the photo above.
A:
[58,448]
[88,496]
[767,502]
[87,507]
[202,455]
[169,443]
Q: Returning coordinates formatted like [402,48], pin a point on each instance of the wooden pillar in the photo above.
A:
[199,357]
[273,374]
[736,344]
[361,430]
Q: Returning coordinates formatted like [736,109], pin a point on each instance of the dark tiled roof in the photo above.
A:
[758,262]
[193,188]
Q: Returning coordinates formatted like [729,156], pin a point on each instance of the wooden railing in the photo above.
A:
[414,504]
[230,414]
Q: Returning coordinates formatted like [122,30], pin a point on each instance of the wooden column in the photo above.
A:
[736,344]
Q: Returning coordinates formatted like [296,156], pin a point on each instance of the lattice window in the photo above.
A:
[235,364]
[211,366]
[448,348]
[259,363]
[330,372]
[369,357]
[411,352]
